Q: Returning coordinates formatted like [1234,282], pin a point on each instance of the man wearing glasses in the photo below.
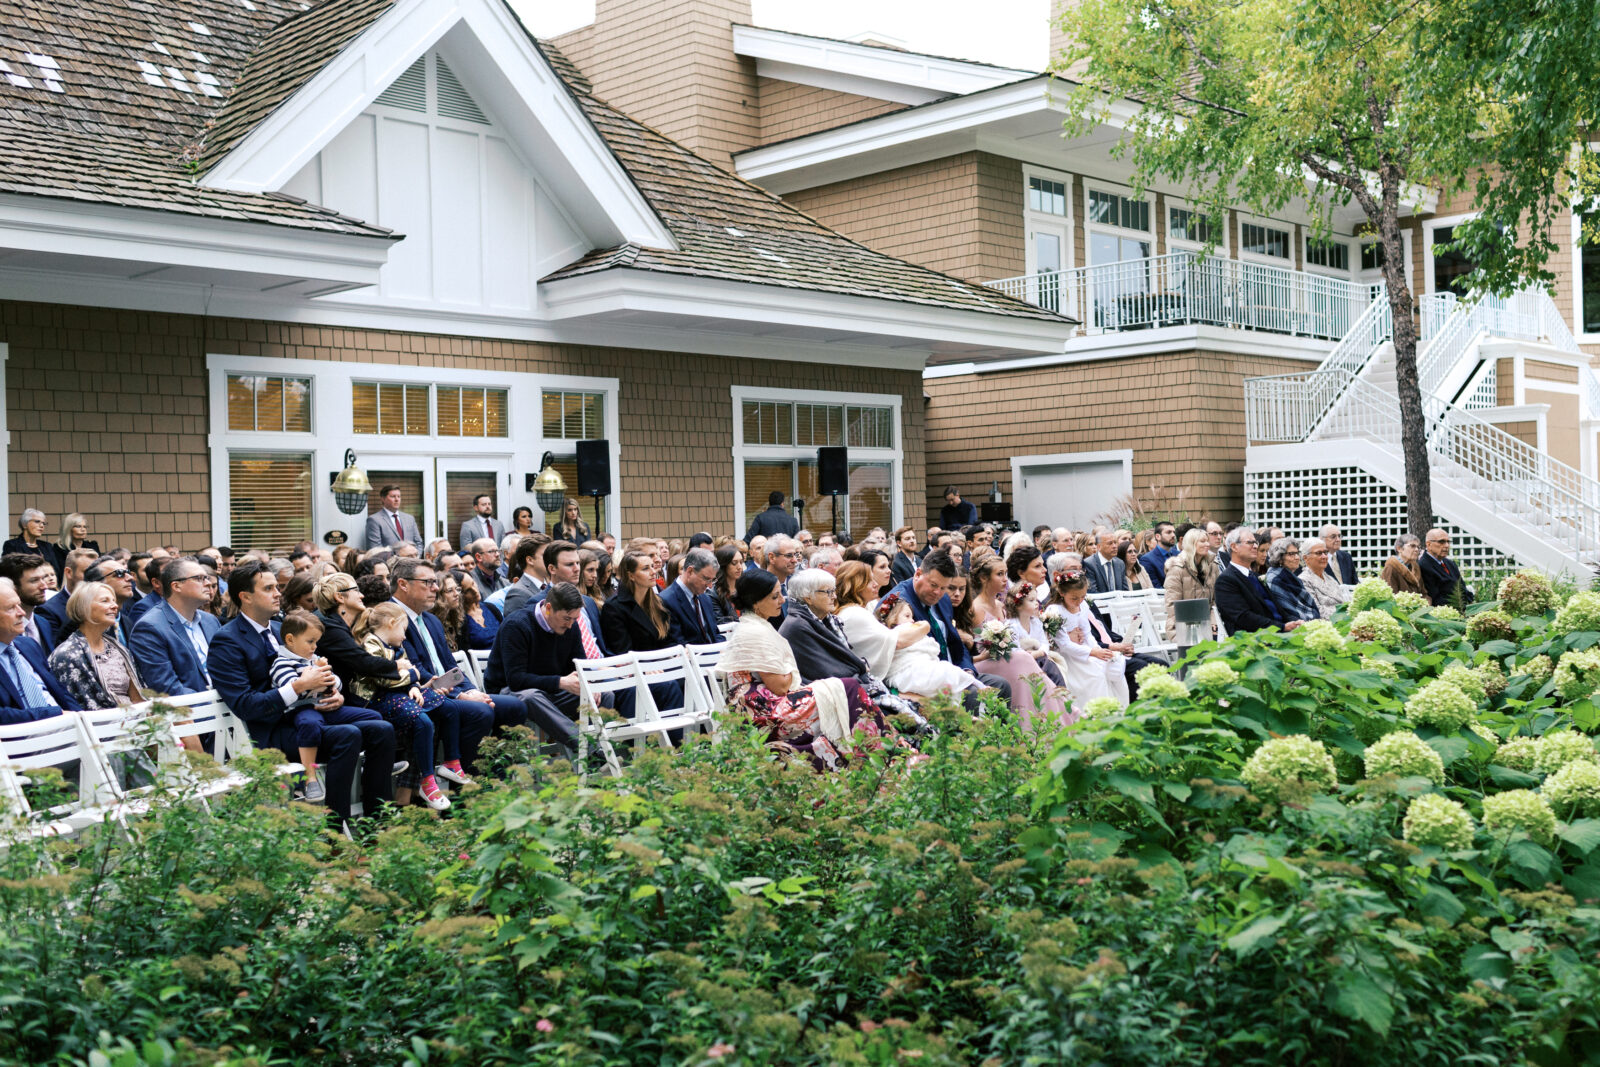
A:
[783,559]
[1441,577]
[171,642]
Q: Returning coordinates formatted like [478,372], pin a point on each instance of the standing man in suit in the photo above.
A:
[1105,569]
[28,691]
[416,588]
[391,526]
[772,521]
[905,561]
[1441,575]
[690,603]
[172,640]
[32,577]
[241,661]
[1343,565]
[925,592]
[1242,601]
[482,524]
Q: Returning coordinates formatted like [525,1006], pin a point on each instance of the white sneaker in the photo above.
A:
[451,774]
[433,796]
[400,767]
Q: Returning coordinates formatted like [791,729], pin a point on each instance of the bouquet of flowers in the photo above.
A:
[1053,622]
[995,641]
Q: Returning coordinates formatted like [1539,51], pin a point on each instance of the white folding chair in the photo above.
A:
[671,664]
[712,687]
[596,679]
[54,742]
[479,659]
[469,668]
[727,627]
[120,739]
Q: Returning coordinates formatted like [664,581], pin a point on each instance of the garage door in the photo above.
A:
[1069,494]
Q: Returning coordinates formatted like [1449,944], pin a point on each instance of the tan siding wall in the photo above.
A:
[1550,372]
[1505,383]
[1182,414]
[961,215]
[108,413]
[1526,432]
[792,110]
[1560,423]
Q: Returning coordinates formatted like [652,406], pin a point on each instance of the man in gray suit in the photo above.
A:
[391,526]
[481,525]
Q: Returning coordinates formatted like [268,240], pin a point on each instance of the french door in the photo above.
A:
[438,491]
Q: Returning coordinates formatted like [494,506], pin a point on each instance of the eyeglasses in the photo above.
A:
[432,583]
[114,574]
[186,578]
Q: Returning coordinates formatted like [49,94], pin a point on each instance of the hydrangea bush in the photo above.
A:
[1404,755]
[1580,614]
[1577,674]
[1213,674]
[1440,705]
[1539,668]
[1321,636]
[1369,593]
[1102,707]
[1376,626]
[1574,790]
[1289,766]
[1488,626]
[1519,753]
[1410,602]
[1465,679]
[1526,593]
[1438,821]
[1157,683]
[1445,611]
[1519,809]
[1561,747]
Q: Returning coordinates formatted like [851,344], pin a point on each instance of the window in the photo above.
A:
[1185,224]
[389,408]
[269,500]
[1589,281]
[769,422]
[258,402]
[1372,257]
[1113,209]
[1451,268]
[1263,240]
[571,416]
[1046,196]
[1335,255]
[471,412]
[816,425]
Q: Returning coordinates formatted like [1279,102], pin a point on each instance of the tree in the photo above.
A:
[1261,102]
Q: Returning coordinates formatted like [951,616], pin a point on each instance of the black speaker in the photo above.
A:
[833,470]
[594,468]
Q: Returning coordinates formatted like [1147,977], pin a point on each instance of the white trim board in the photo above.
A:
[1164,339]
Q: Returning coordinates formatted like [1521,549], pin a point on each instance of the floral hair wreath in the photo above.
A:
[886,606]
[1019,592]
[1068,576]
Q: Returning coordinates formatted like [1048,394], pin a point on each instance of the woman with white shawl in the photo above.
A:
[1092,671]
[819,720]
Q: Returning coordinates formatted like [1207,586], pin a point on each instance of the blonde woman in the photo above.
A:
[90,663]
[1191,575]
[75,534]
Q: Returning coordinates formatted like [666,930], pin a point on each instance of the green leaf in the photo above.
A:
[419,1049]
[1498,648]
[1450,749]
[1584,883]
[1176,790]
[1530,855]
[1583,835]
[1132,785]
[1511,779]
[1440,903]
[1251,937]
[642,891]
[1265,669]
[1485,963]
[1358,997]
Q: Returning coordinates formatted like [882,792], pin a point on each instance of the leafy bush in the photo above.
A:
[1574,790]
[1527,593]
[1404,755]
[1580,614]
[1377,626]
[1370,593]
[1290,767]
[1441,705]
[1577,674]
[1488,626]
[1438,821]
[1519,810]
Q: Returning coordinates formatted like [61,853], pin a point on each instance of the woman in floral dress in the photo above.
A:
[828,721]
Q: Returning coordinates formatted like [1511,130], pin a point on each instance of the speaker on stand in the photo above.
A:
[594,476]
[833,476]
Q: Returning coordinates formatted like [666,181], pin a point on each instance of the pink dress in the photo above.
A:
[1022,671]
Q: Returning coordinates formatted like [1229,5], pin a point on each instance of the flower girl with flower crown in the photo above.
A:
[996,648]
[1092,671]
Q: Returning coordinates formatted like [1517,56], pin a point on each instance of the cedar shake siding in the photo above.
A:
[789,109]
[961,215]
[1181,413]
[108,413]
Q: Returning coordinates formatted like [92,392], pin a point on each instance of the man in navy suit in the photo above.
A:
[146,575]
[1343,564]
[241,663]
[925,592]
[1441,575]
[416,588]
[1155,560]
[171,641]
[689,602]
[32,576]
[28,691]
[1243,603]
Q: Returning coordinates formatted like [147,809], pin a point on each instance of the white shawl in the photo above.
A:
[756,646]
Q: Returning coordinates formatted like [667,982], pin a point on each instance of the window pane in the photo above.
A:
[761,477]
[1590,264]
[297,405]
[447,401]
[391,409]
[1102,207]
[417,410]
[594,416]
[495,415]
[269,500]
[1047,196]
[364,405]
[242,401]
[871,427]
[870,492]
[1372,255]
[1450,269]
[472,412]
[269,404]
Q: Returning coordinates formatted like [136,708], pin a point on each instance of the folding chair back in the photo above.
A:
[54,742]
[669,665]
[727,627]
[205,715]
[469,668]
[479,658]
[704,658]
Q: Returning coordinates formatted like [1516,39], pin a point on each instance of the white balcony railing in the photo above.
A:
[1186,287]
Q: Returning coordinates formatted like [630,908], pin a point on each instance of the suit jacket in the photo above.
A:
[476,528]
[380,530]
[1241,604]
[161,649]
[527,656]
[774,520]
[52,553]
[47,631]
[1440,577]
[1155,564]
[347,658]
[241,671]
[417,652]
[132,613]
[679,605]
[55,609]
[627,626]
[902,566]
[13,708]
[521,593]
[1344,565]
[1106,576]
[955,518]
[945,614]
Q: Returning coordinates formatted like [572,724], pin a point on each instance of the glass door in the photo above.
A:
[1047,260]
[412,475]
[438,492]
[461,481]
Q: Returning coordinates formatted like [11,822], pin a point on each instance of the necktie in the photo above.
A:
[700,617]
[33,694]
[938,635]
[397,531]
[591,648]
[32,630]
[197,641]
[266,639]
[427,645]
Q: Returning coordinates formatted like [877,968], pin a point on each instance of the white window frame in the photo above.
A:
[1095,185]
[1407,243]
[1352,255]
[1039,219]
[5,442]
[1174,245]
[1272,224]
[331,419]
[1428,226]
[1576,252]
[741,451]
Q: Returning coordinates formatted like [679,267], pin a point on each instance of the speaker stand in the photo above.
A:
[835,510]
[597,524]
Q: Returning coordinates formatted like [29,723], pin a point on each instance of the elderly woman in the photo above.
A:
[91,664]
[1319,579]
[820,720]
[1283,582]
[1191,575]
[31,540]
[1403,572]
[818,641]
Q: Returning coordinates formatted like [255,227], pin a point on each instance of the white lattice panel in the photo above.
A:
[1368,513]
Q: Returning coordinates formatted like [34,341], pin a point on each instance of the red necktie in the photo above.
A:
[397,531]
[591,650]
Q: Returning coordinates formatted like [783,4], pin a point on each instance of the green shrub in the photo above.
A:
[1370,593]
[1491,625]
[1574,790]
[1438,821]
[1289,767]
[1577,674]
[1403,754]
[1519,810]
[1526,593]
[1580,614]
[1441,705]
[1376,626]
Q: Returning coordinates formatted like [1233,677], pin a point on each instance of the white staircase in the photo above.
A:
[1327,443]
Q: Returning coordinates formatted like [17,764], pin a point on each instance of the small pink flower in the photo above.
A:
[719,1050]
[544,1026]
[463,856]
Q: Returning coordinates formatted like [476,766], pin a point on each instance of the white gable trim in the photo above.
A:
[502,65]
[881,73]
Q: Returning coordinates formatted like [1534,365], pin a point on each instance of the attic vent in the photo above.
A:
[454,103]
[409,91]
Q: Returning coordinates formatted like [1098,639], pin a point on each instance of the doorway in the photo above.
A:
[439,491]
[1069,489]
